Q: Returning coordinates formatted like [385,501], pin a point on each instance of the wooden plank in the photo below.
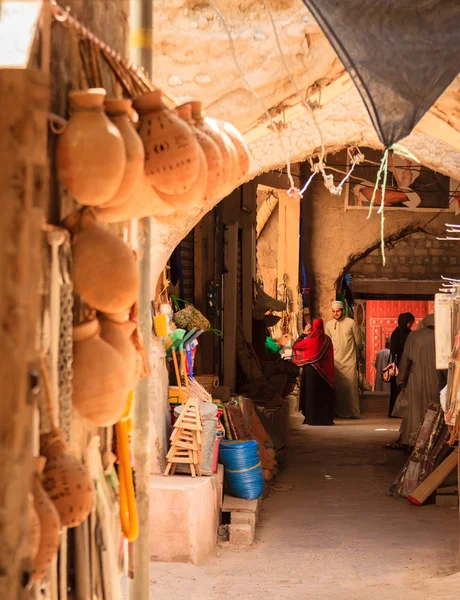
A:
[24,99]
[249,254]
[230,305]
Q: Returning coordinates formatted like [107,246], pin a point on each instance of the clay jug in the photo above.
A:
[66,480]
[242,150]
[105,273]
[116,331]
[117,110]
[100,378]
[211,151]
[143,202]
[228,150]
[171,149]
[196,196]
[50,524]
[91,156]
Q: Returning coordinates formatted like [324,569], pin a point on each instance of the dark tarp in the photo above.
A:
[401,54]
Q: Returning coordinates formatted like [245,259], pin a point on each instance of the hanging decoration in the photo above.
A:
[400,78]
[105,272]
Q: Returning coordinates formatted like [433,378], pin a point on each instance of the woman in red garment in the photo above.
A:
[313,351]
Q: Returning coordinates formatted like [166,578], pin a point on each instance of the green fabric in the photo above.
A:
[341,298]
[271,346]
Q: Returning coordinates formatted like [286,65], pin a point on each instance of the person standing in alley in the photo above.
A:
[398,341]
[313,352]
[382,360]
[346,340]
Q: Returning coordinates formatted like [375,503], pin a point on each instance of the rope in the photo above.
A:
[255,94]
[291,79]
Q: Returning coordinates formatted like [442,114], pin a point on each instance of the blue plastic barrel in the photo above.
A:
[243,469]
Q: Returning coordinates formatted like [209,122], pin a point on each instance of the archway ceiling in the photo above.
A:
[192,58]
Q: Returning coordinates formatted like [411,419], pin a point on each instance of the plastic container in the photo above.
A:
[215,460]
[243,470]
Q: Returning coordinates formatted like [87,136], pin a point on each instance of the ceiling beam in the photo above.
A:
[432,124]
[324,96]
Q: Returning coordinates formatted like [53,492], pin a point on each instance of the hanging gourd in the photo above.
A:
[171,150]
[242,150]
[66,480]
[143,202]
[49,523]
[228,150]
[211,151]
[90,155]
[100,377]
[196,196]
[105,274]
[116,331]
[117,110]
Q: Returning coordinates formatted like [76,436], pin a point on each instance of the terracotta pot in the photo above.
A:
[242,150]
[91,156]
[50,525]
[228,150]
[104,268]
[100,377]
[117,333]
[66,480]
[211,151]
[143,202]
[171,149]
[117,110]
[196,196]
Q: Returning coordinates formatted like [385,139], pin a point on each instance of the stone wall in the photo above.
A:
[418,256]
[335,239]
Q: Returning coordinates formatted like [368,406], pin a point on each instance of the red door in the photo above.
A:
[381,320]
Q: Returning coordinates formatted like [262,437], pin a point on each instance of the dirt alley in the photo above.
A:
[328,530]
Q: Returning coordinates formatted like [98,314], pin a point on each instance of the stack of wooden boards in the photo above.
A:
[434,480]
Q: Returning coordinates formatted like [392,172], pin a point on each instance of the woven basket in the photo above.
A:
[191,318]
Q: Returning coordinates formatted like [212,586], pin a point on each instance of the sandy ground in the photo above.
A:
[329,532]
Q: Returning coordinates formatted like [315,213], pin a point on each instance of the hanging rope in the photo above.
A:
[303,99]
[255,94]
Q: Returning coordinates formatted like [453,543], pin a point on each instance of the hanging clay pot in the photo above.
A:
[196,196]
[117,110]
[50,524]
[34,527]
[242,150]
[104,268]
[143,202]
[211,151]
[66,480]
[90,155]
[171,149]
[116,331]
[228,150]
[100,377]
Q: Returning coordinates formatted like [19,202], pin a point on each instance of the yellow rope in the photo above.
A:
[243,470]
[128,509]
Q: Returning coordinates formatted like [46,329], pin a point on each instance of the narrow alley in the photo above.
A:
[328,529]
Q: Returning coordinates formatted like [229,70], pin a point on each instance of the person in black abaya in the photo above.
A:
[314,353]
[398,341]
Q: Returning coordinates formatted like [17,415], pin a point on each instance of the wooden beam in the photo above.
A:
[432,123]
[248,256]
[435,126]
[322,97]
[230,308]
[24,98]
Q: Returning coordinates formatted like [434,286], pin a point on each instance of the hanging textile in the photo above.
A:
[400,55]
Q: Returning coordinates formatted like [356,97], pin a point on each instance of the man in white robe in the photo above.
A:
[346,340]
